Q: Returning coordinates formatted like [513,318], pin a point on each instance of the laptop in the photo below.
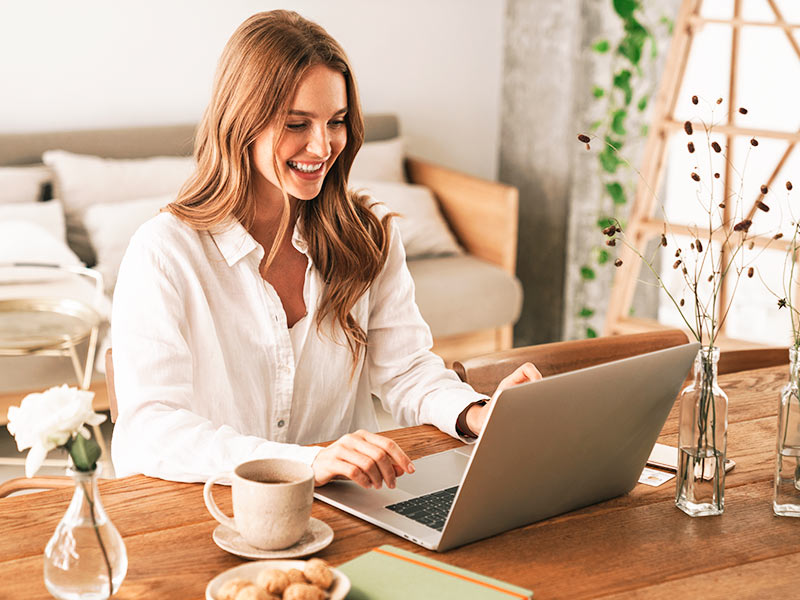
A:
[548,447]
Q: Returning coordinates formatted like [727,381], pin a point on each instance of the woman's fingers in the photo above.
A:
[366,458]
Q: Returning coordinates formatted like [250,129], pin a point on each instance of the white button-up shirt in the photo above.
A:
[208,374]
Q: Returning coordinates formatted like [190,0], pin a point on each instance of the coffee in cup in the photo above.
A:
[272,500]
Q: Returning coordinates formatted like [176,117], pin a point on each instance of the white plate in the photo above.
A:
[250,570]
[318,535]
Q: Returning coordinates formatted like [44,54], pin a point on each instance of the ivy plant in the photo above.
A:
[625,95]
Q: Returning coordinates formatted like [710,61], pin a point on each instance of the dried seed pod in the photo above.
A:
[743,110]
[678,252]
[617,229]
[716,147]
[695,176]
[777,236]
[698,245]
[610,230]
[764,189]
[743,225]
[751,245]
[687,127]
[710,278]
[690,146]
[682,302]
[782,303]
[588,147]
[761,206]
[584,138]
[677,264]
[691,246]
[789,185]
[722,205]
[753,142]
[695,100]
[611,242]
[663,240]
[719,100]
[716,175]
[750,272]
[685,272]
[618,262]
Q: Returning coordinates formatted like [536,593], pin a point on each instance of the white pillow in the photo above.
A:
[111,226]
[28,242]
[423,229]
[23,184]
[82,181]
[48,215]
[380,161]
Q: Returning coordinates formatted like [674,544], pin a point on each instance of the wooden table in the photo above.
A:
[635,546]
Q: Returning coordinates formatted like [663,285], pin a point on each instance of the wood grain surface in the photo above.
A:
[635,546]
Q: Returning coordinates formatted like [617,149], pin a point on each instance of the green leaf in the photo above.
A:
[594,126]
[586,312]
[587,273]
[590,333]
[642,103]
[616,145]
[631,49]
[625,8]
[601,46]
[603,257]
[598,92]
[622,81]
[84,453]
[644,130]
[604,222]
[609,160]
[617,192]
[669,23]
[618,121]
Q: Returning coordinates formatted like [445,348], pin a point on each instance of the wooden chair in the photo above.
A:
[484,373]
[34,483]
[112,396]
[731,361]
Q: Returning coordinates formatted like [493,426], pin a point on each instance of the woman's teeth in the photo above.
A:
[305,167]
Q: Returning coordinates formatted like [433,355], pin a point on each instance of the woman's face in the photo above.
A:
[314,136]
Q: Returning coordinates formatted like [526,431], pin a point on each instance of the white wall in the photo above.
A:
[69,64]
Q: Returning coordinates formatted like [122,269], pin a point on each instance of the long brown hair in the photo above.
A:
[258,73]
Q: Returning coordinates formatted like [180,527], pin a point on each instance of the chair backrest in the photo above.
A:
[112,396]
[731,361]
[34,483]
[484,373]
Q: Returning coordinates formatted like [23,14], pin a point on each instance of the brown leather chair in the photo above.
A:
[484,373]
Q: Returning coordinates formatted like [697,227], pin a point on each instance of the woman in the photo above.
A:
[266,305]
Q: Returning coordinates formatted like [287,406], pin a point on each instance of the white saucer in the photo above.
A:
[339,587]
[317,536]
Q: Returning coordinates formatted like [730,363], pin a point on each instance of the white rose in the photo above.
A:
[46,420]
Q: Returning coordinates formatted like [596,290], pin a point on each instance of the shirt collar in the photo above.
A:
[234,241]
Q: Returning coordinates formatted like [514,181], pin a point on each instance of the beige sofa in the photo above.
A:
[470,300]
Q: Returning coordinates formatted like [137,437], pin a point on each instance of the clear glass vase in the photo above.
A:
[786,502]
[86,558]
[702,440]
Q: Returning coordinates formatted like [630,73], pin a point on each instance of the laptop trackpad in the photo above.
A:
[434,472]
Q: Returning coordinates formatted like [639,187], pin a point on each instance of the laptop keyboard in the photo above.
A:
[430,510]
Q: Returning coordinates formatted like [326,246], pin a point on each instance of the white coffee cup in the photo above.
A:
[272,500]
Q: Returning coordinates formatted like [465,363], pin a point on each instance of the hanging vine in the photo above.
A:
[625,96]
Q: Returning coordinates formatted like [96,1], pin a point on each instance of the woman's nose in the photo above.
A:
[319,144]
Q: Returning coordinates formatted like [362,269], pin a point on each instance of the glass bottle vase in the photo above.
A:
[786,502]
[86,558]
[702,440]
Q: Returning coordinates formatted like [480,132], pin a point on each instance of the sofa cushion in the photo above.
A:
[460,294]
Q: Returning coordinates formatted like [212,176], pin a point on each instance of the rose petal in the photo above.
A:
[34,460]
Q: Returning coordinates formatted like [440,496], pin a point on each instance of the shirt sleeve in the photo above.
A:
[411,381]
[157,432]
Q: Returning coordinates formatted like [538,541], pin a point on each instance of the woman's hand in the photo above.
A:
[476,415]
[368,459]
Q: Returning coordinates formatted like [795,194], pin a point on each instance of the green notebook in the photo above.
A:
[389,573]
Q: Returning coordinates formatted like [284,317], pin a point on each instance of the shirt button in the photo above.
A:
[281,423]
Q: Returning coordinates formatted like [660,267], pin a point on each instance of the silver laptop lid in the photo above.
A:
[565,442]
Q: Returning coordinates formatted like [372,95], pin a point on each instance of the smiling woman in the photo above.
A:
[264,308]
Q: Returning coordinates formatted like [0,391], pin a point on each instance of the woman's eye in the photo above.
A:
[336,123]
[295,126]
